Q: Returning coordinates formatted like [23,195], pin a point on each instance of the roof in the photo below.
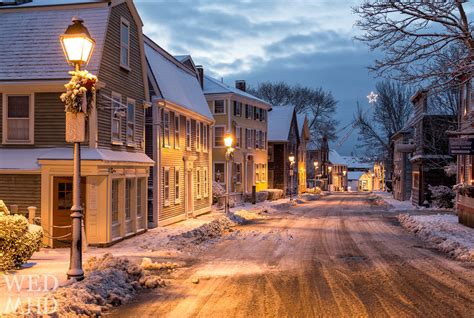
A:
[279,123]
[213,86]
[27,159]
[354,175]
[177,84]
[42,3]
[335,158]
[30,47]
[181,58]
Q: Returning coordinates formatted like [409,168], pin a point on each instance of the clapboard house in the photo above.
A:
[35,161]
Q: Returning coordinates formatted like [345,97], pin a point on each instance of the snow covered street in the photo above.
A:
[342,255]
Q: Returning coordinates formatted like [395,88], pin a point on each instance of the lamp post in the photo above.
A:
[291,158]
[315,172]
[329,177]
[373,180]
[344,179]
[78,46]
[228,141]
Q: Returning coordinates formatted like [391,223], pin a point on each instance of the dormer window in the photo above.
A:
[124,43]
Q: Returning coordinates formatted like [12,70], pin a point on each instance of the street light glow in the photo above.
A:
[228,140]
[77,43]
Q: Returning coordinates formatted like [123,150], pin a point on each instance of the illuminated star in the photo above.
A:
[372,97]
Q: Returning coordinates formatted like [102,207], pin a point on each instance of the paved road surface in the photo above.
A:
[336,257]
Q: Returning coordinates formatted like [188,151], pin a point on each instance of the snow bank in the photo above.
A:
[395,205]
[444,232]
[110,281]
[246,216]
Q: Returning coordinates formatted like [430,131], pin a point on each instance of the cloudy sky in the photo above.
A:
[309,42]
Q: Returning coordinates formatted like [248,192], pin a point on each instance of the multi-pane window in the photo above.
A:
[166,128]
[18,119]
[124,43]
[205,180]
[219,173]
[248,134]
[130,120]
[247,111]
[176,185]
[237,109]
[256,113]
[115,201]
[238,172]
[205,133]
[237,136]
[140,197]
[116,117]
[188,134]
[176,131]
[198,136]
[219,107]
[166,186]
[219,136]
[128,199]
[198,183]
[257,137]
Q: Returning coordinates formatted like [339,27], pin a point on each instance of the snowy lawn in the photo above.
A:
[444,232]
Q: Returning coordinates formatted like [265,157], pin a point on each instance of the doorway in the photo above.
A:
[62,203]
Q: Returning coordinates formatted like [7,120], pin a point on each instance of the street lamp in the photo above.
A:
[291,158]
[329,177]
[78,46]
[315,172]
[228,141]
[344,179]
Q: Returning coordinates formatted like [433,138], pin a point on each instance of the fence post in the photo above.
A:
[31,214]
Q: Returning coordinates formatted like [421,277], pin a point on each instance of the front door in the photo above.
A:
[62,203]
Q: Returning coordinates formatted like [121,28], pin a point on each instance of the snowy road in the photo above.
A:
[335,257]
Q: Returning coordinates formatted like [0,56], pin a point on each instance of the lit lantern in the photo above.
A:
[77,43]
[228,140]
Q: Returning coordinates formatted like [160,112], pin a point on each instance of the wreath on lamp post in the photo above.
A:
[80,92]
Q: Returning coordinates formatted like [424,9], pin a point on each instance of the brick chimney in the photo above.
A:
[200,71]
[240,84]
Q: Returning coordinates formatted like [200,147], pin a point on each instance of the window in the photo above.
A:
[176,186]
[115,201]
[238,172]
[219,107]
[177,128]
[262,112]
[248,133]
[219,136]
[416,179]
[219,173]
[116,117]
[140,196]
[237,109]
[256,113]
[198,136]
[257,138]
[270,153]
[250,112]
[18,114]
[130,121]
[263,172]
[257,173]
[166,128]
[198,183]
[188,134]
[247,111]
[238,132]
[124,43]
[206,138]
[128,199]
[205,180]
[166,186]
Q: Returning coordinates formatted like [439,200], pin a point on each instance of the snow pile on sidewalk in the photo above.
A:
[395,205]
[243,216]
[205,232]
[444,232]
[110,281]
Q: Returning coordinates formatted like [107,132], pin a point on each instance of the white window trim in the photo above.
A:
[177,200]
[132,143]
[238,135]
[126,22]
[205,140]
[166,145]
[166,202]
[214,107]
[116,141]
[190,134]
[214,170]
[198,184]
[177,142]
[240,173]
[214,136]
[206,183]
[31,122]
[197,140]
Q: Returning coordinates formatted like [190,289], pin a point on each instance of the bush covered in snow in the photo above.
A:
[261,196]
[274,194]
[217,191]
[18,239]
[442,196]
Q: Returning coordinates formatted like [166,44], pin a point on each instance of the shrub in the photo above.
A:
[18,240]
[442,196]
[261,196]
[274,194]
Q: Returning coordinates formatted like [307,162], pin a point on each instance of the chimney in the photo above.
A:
[200,71]
[240,84]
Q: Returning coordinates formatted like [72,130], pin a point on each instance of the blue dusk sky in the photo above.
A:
[300,42]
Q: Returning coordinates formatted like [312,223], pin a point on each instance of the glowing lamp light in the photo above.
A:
[329,168]
[316,163]
[77,43]
[228,140]
[291,158]
[344,173]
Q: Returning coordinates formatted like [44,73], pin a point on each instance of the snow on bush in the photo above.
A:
[18,239]
[261,196]
[451,169]
[442,196]
[444,232]
[109,281]
[274,194]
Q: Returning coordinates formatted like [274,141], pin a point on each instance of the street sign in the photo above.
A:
[461,146]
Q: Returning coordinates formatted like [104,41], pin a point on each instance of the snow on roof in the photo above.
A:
[181,58]
[27,159]
[335,158]
[30,48]
[279,123]
[354,175]
[41,3]
[175,83]
[213,86]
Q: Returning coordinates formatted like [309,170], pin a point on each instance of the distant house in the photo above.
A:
[338,173]
[318,152]
[403,145]
[35,161]
[356,168]
[283,140]
[179,126]
[305,136]
[246,117]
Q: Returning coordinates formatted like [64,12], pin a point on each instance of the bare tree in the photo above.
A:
[317,104]
[390,114]
[415,36]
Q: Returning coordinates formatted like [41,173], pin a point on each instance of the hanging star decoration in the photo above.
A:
[372,97]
